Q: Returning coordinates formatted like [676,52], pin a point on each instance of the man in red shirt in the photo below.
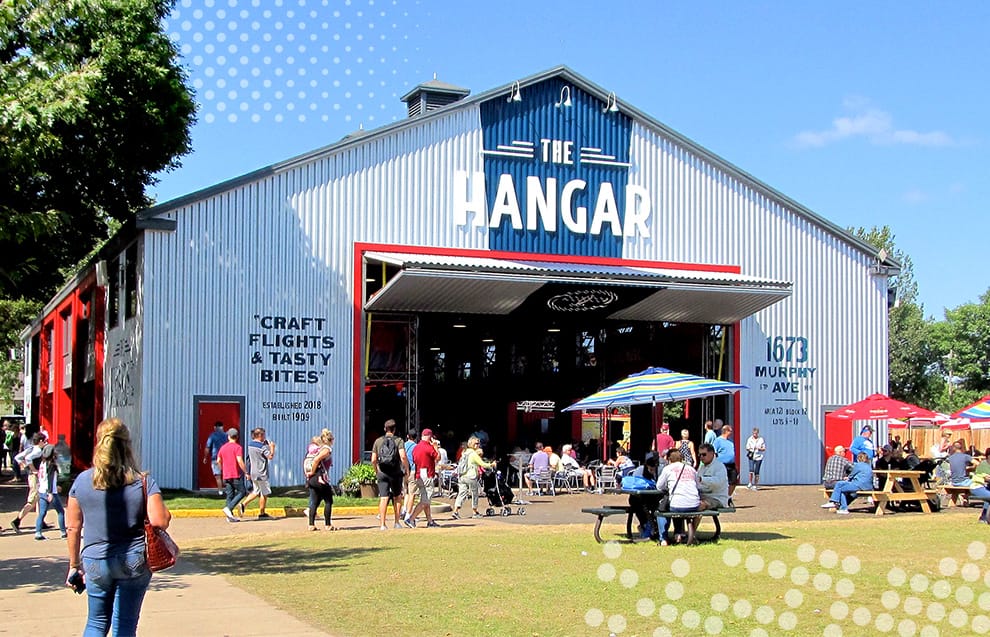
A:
[664,441]
[425,458]
[231,461]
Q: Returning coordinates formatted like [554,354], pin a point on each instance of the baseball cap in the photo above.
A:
[866,428]
[665,425]
[886,448]
[48,451]
[231,433]
[427,432]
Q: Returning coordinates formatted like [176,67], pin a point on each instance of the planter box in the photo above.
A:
[369,491]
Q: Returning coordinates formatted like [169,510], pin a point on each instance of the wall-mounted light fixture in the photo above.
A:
[565,97]
[515,94]
[610,105]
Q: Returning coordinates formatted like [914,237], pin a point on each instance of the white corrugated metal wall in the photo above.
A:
[707,215]
[283,245]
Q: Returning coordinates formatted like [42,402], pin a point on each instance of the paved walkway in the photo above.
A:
[189,601]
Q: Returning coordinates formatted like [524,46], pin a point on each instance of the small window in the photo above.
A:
[488,355]
[113,293]
[50,356]
[130,282]
[66,350]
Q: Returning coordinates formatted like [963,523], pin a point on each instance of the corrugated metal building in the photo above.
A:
[534,242]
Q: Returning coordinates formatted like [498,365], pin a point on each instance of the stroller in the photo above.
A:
[499,494]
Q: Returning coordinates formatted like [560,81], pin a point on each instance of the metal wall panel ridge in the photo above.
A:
[835,322]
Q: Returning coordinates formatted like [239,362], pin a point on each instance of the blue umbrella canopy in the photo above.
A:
[980,410]
[655,385]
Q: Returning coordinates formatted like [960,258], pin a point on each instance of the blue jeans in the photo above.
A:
[844,488]
[43,506]
[235,491]
[982,493]
[664,523]
[116,587]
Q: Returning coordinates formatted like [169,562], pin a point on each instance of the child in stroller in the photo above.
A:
[499,494]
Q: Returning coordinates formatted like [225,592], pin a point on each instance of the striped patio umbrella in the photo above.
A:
[980,410]
[654,385]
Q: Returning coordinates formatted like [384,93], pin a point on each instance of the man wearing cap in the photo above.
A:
[863,443]
[425,457]
[231,461]
[837,467]
[216,440]
[664,441]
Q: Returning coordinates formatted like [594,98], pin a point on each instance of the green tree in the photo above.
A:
[14,315]
[913,375]
[962,342]
[93,103]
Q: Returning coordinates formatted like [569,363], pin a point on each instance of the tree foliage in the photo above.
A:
[92,104]
[911,355]
[14,315]
[962,342]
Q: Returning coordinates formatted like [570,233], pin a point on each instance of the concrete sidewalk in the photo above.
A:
[184,600]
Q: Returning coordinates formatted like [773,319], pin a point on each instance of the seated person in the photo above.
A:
[569,465]
[911,459]
[713,480]
[890,459]
[537,462]
[554,459]
[978,487]
[623,463]
[837,467]
[845,491]
[681,482]
[644,505]
[960,463]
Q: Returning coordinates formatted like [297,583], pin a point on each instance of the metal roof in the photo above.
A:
[568,75]
[479,285]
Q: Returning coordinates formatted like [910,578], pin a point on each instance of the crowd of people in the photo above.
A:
[846,477]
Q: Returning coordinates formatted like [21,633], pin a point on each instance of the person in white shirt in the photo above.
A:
[29,460]
[569,465]
[756,447]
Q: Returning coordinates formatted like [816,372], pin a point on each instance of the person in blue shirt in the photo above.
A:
[410,478]
[216,440]
[863,443]
[725,452]
[845,491]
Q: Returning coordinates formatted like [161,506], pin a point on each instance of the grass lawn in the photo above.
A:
[911,575]
[296,497]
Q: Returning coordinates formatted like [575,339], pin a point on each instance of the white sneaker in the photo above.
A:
[843,512]
[750,486]
[829,505]
[227,514]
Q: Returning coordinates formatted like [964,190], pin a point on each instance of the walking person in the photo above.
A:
[686,446]
[216,440]
[261,450]
[425,457]
[48,492]
[756,447]
[231,461]
[29,460]
[468,482]
[104,517]
[391,464]
[319,458]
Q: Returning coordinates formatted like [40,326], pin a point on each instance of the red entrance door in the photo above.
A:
[208,413]
[837,432]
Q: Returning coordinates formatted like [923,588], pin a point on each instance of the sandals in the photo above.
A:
[312,528]
[330,528]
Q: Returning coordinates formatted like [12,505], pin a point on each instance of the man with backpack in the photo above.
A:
[388,457]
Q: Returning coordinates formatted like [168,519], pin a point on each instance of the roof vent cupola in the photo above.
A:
[429,96]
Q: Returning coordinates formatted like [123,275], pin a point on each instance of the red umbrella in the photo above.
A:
[880,407]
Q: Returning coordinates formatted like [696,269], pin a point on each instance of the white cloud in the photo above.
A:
[872,124]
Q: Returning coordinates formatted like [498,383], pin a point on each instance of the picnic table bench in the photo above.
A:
[957,496]
[610,510]
[881,498]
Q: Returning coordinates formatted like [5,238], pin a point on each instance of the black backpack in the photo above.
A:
[388,454]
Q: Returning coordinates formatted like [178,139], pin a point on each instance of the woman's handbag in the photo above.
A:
[161,552]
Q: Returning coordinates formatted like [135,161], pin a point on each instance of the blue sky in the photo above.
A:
[867,113]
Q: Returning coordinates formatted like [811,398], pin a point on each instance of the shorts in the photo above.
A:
[389,485]
[424,489]
[754,466]
[261,486]
[32,497]
[216,467]
[732,472]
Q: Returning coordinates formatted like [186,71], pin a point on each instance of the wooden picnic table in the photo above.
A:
[895,491]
